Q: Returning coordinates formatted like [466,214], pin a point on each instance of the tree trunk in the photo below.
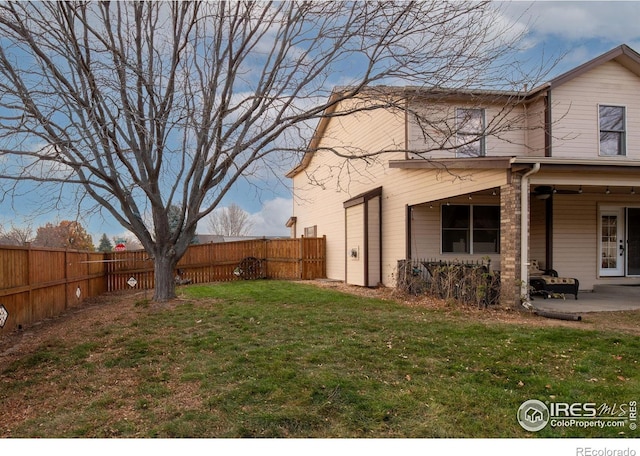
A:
[164,269]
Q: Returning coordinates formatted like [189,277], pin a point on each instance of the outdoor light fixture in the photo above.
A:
[607,191]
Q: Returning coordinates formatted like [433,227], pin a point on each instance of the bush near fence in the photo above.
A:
[40,283]
[470,283]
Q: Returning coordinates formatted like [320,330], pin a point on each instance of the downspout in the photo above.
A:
[524,231]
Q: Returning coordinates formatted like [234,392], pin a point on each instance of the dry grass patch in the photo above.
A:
[283,359]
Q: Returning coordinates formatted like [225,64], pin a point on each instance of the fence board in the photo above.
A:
[39,283]
[302,258]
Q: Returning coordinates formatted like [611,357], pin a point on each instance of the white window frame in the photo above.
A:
[623,151]
[460,132]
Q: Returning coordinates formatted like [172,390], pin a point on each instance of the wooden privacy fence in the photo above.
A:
[301,258]
[40,283]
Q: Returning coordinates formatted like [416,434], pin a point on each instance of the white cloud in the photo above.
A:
[577,21]
[271,219]
[613,21]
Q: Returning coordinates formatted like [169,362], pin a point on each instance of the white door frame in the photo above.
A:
[611,241]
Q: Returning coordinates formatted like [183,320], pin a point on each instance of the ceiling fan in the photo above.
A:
[545,191]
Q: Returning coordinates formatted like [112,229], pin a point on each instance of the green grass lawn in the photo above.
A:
[283,359]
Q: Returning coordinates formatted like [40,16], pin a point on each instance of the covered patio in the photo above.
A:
[603,298]
[578,217]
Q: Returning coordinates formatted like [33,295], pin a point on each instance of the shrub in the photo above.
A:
[465,283]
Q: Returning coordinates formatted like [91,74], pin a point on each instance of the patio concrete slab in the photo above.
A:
[604,298]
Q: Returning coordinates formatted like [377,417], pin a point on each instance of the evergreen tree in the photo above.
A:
[105,244]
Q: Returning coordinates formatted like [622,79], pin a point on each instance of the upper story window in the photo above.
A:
[612,130]
[469,130]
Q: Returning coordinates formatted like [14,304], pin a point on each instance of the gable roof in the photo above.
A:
[315,139]
[622,54]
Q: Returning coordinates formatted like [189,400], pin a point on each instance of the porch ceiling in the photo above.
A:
[589,189]
[588,176]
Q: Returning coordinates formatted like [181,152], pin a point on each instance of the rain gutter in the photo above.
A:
[524,231]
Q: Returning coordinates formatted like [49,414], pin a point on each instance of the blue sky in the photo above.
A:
[578,30]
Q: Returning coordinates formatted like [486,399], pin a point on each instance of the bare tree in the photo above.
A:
[145,106]
[230,221]
[16,235]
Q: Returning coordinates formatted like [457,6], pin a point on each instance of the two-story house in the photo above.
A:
[551,173]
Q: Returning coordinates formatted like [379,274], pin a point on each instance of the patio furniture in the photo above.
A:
[547,283]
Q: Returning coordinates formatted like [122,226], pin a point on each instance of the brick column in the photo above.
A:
[510,255]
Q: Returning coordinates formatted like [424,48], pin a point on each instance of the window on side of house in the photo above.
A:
[471,229]
[469,130]
[311,231]
[612,130]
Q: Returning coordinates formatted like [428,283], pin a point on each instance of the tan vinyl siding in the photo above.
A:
[418,186]
[535,129]
[575,237]
[414,187]
[575,234]
[575,221]
[329,180]
[355,245]
[438,140]
[325,181]
[400,187]
[374,242]
[426,232]
[575,111]
[537,231]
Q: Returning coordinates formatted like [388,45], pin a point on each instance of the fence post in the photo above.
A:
[301,251]
[264,257]
[30,279]
[324,255]
[66,278]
